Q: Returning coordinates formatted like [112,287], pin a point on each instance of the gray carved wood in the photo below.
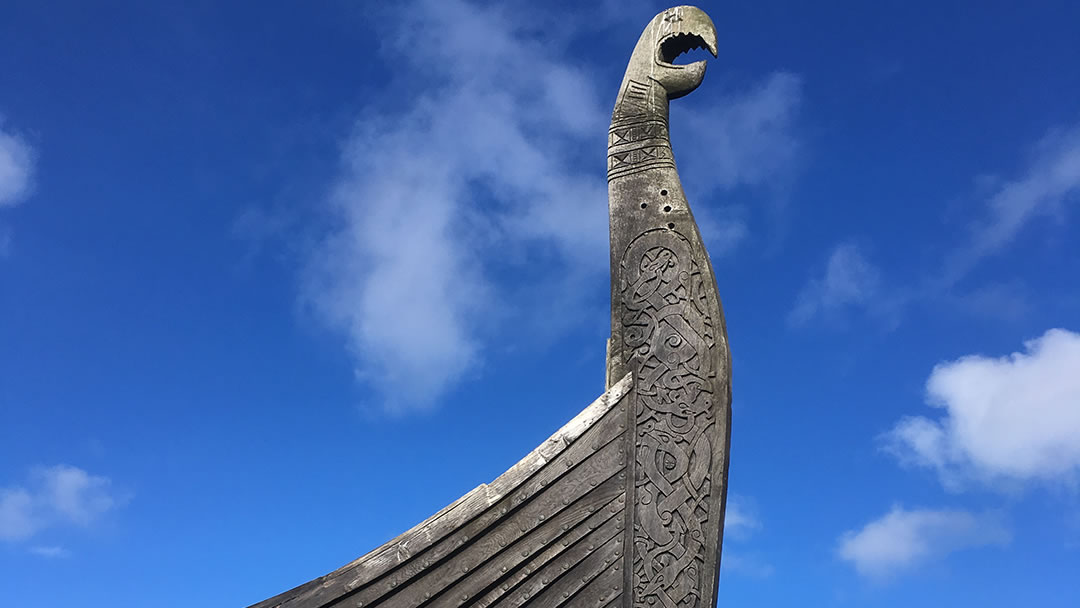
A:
[667,329]
[624,506]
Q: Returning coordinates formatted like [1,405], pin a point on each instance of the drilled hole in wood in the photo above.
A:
[663,193]
[644,205]
[667,208]
[671,225]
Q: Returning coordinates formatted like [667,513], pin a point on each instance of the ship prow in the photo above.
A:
[550,531]
[623,506]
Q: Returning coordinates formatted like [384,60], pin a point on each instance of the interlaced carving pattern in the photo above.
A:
[668,340]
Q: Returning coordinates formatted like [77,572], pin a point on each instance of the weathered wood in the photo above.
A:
[583,452]
[667,329]
[623,507]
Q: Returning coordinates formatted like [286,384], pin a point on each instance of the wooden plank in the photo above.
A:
[470,547]
[599,591]
[514,574]
[596,553]
[449,520]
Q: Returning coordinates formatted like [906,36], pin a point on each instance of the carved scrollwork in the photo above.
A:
[668,340]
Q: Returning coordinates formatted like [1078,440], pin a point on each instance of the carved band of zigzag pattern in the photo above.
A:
[637,159]
[637,131]
[635,156]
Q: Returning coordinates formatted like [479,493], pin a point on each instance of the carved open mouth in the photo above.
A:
[673,46]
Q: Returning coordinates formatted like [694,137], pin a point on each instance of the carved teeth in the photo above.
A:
[671,48]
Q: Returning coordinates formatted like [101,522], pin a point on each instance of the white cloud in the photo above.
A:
[849,283]
[491,165]
[904,539]
[54,496]
[16,169]
[1013,418]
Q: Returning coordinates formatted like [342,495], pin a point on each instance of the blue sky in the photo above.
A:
[278,281]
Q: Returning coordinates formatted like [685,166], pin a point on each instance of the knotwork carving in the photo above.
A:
[667,339]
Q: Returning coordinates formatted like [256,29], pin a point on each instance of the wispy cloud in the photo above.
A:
[746,138]
[16,168]
[849,284]
[54,496]
[16,177]
[1008,419]
[741,522]
[1049,181]
[482,195]
[904,539]
[50,551]
[739,518]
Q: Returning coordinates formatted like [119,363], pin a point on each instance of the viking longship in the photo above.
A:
[623,506]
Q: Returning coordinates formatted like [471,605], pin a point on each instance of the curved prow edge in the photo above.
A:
[558,511]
